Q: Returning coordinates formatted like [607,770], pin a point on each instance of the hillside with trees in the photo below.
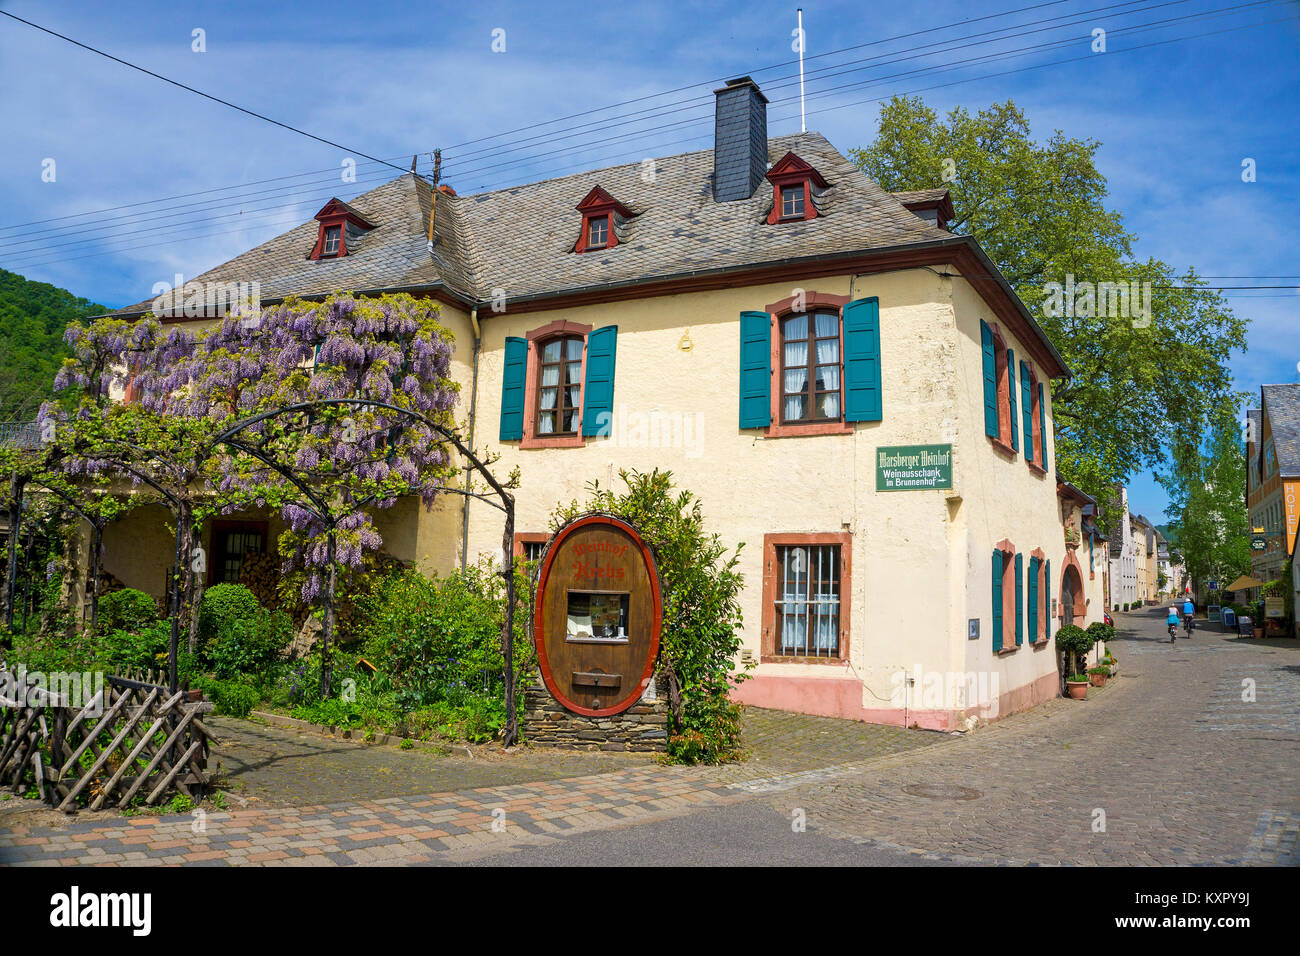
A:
[33,317]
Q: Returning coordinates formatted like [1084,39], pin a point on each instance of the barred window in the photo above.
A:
[808,600]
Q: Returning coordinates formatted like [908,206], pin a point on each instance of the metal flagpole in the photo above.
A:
[803,125]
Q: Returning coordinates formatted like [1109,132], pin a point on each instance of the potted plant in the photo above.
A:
[1097,675]
[1101,632]
[1073,643]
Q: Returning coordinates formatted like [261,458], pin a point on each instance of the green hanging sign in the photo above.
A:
[913,467]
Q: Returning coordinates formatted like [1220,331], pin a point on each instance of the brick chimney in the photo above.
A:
[739,140]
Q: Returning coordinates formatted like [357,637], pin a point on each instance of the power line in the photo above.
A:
[558,119]
[605,140]
[209,96]
[840,106]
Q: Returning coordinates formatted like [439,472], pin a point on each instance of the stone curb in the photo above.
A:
[357,734]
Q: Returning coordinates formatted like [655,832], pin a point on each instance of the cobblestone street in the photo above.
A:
[1184,770]
[1166,765]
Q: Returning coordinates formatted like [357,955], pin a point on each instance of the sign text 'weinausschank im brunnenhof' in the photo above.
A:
[913,467]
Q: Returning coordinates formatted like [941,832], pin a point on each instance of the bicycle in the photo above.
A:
[1173,632]
[1187,623]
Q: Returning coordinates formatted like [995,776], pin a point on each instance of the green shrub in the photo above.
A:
[222,608]
[122,649]
[250,646]
[230,697]
[1074,642]
[125,610]
[701,611]
[1101,632]
[439,639]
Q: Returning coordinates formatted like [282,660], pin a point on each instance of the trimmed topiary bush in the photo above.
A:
[223,607]
[1074,642]
[125,610]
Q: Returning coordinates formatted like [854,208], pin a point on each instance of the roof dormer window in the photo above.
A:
[599,210]
[793,182]
[792,202]
[341,229]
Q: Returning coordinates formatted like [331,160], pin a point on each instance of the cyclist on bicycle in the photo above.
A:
[1189,609]
[1172,621]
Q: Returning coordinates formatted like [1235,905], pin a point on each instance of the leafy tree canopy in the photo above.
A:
[1039,209]
[33,316]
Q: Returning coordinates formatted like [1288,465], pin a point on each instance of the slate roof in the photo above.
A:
[392,255]
[522,238]
[1282,405]
[519,241]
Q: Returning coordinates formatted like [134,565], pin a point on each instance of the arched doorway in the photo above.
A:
[1073,604]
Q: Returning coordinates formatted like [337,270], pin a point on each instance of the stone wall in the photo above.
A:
[643,727]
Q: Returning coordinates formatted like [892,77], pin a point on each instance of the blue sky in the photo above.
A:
[392,79]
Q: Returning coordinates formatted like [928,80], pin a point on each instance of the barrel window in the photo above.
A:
[597,617]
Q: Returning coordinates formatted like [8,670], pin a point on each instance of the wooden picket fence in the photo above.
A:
[131,737]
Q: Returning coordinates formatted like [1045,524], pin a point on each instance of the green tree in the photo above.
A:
[33,316]
[1207,492]
[1039,209]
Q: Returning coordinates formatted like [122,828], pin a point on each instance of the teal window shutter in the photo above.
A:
[1042,423]
[755,370]
[997,601]
[1011,395]
[1020,599]
[512,389]
[1027,408]
[598,390]
[862,402]
[990,381]
[1033,601]
[1047,599]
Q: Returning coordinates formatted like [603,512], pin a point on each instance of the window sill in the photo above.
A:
[798,659]
[1002,446]
[1037,469]
[1008,650]
[559,441]
[808,428]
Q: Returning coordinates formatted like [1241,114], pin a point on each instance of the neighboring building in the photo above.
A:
[1148,563]
[1173,572]
[780,326]
[1124,549]
[1273,478]
[1083,586]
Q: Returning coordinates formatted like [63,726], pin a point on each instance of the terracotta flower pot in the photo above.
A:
[1097,680]
[1078,689]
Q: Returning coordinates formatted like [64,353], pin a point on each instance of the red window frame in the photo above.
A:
[1002,378]
[771,588]
[792,172]
[536,339]
[336,215]
[597,205]
[806,302]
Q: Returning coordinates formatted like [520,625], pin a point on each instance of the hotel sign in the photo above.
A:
[913,467]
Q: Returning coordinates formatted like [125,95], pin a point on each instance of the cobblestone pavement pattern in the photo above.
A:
[1184,770]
